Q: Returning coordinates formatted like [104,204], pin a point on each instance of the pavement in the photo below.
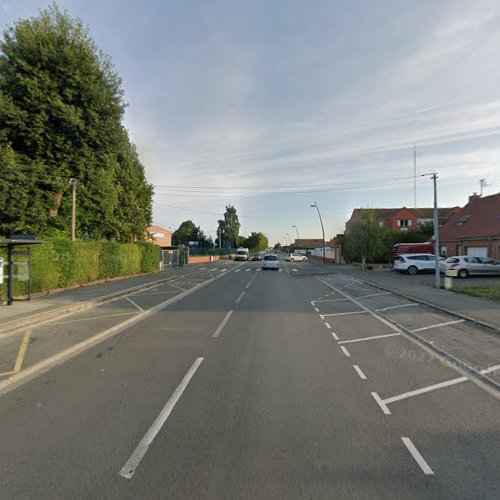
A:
[302,383]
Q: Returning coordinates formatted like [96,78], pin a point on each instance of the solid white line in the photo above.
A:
[330,300]
[418,457]
[346,313]
[134,304]
[423,390]
[327,325]
[345,351]
[437,325]
[223,324]
[316,309]
[334,335]
[240,297]
[396,307]
[382,405]
[248,284]
[369,338]
[362,376]
[133,462]
[373,295]
[490,369]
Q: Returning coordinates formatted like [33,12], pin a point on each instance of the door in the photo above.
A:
[474,265]
[489,266]
[477,251]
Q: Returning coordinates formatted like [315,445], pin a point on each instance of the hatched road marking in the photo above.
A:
[396,307]
[417,456]
[369,338]
[437,325]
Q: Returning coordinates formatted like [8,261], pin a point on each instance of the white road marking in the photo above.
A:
[369,338]
[240,297]
[373,295]
[423,390]
[330,300]
[417,456]
[248,284]
[396,307]
[134,304]
[312,302]
[327,325]
[294,270]
[437,325]
[202,268]
[237,270]
[316,309]
[128,470]
[223,270]
[345,313]
[334,335]
[247,270]
[278,269]
[223,324]
[213,269]
[382,405]
[362,376]
[490,369]
[260,269]
[345,351]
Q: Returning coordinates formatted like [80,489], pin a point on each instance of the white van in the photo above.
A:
[242,254]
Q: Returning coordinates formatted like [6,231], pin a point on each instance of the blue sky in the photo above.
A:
[270,105]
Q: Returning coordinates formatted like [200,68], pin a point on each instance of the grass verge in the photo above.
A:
[490,291]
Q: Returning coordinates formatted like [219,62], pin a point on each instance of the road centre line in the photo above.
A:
[369,338]
[382,405]
[417,456]
[222,324]
[345,351]
[437,325]
[134,304]
[344,313]
[358,370]
[128,470]
[397,307]
[240,297]
[334,335]
[316,309]
[423,390]
[373,295]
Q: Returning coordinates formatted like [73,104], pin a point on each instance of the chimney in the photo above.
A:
[474,197]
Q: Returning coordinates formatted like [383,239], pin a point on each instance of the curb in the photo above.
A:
[485,324]
[14,325]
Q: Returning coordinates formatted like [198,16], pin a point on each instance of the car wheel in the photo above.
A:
[292,260]
[412,270]
[463,273]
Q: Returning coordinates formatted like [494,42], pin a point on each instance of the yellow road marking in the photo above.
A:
[7,373]
[22,352]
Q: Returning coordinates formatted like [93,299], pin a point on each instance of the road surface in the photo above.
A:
[289,384]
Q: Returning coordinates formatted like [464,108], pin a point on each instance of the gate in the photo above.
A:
[169,259]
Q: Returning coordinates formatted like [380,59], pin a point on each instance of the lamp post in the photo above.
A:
[437,276]
[298,237]
[315,205]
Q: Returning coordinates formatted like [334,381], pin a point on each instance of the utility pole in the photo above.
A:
[73,183]
[415,175]
[315,205]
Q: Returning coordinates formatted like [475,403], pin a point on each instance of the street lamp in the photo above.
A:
[315,205]
[437,276]
[298,237]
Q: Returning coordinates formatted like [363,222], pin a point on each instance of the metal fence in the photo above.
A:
[169,259]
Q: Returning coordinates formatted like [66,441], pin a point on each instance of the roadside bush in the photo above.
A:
[88,266]
[150,257]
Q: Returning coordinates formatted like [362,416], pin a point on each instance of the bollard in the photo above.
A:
[448,282]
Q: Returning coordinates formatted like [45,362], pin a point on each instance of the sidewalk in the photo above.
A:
[480,310]
[57,300]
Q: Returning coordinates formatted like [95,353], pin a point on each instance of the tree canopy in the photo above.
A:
[187,232]
[229,226]
[256,242]
[61,108]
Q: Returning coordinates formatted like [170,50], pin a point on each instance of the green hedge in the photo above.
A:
[59,263]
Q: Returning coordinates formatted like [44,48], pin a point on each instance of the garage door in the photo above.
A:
[477,251]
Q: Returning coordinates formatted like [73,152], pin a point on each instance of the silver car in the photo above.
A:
[463,266]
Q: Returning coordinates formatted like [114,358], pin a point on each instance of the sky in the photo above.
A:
[271,106]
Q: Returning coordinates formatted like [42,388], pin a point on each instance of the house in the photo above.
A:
[403,219]
[475,229]
[159,236]
[337,244]
[309,243]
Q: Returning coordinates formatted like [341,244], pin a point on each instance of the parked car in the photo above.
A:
[464,266]
[270,261]
[414,263]
[296,257]
[256,256]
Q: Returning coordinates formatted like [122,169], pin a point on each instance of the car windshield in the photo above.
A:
[270,257]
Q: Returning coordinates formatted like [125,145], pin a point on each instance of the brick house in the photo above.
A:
[475,229]
[159,236]
[403,219]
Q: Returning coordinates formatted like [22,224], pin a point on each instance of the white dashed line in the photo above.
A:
[437,325]
[362,376]
[334,335]
[316,309]
[382,405]
[237,270]
[369,338]
[418,457]
[327,325]
[223,324]
[294,270]
[128,470]
[240,297]
[345,351]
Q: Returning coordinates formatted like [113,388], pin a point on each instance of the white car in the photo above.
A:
[270,261]
[296,257]
[415,262]
[465,266]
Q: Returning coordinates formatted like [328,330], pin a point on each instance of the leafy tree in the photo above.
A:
[256,242]
[363,240]
[277,246]
[187,232]
[229,227]
[61,106]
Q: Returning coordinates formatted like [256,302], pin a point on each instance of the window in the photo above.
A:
[404,223]
[418,257]
[270,257]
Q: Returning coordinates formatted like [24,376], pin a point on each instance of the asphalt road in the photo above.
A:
[287,384]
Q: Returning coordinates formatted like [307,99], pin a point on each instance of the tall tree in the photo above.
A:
[187,232]
[61,106]
[230,225]
[256,242]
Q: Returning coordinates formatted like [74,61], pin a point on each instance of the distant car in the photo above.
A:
[414,263]
[270,261]
[256,256]
[463,266]
[296,257]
